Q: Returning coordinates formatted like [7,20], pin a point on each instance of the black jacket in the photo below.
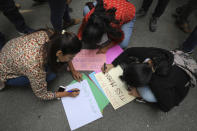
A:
[169,88]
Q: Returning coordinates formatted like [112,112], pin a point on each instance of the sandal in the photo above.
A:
[71,23]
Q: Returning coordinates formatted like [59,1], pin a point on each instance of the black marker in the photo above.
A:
[105,67]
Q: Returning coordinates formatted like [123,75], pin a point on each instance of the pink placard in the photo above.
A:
[88,60]
[112,53]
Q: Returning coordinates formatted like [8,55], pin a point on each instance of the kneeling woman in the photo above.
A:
[109,23]
[157,75]
[32,59]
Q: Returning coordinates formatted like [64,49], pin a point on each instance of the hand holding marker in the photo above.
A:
[62,89]
[105,67]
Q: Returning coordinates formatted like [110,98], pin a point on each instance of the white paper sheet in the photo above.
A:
[82,109]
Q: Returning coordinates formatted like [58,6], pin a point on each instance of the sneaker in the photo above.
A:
[140,13]
[2,85]
[71,23]
[187,51]
[153,24]
[25,30]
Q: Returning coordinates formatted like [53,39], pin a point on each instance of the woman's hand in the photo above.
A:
[74,93]
[102,50]
[133,91]
[77,75]
[108,67]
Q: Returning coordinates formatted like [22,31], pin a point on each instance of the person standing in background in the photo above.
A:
[60,17]
[10,10]
[182,14]
[159,10]
[191,42]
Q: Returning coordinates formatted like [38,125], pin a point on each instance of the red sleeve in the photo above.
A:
[85,20]
[81,29]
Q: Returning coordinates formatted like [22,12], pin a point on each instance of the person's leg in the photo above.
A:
[67,21]
[66,16]
[2,40]
[144,9]
[146,93]
[57,12]
[191,42]
[127,30]
[182,18]
[160,8]
[19,81]
[51,76]
[11,12]
[23,80]
[146,4]
[87,9]
[189,8]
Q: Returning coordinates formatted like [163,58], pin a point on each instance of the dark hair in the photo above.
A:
[99,23]
[137,74]
[68,43]
[161,65]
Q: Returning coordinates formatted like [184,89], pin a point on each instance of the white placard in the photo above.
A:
[82,109]
[114,88]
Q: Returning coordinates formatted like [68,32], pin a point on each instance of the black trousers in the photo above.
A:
[160,8]
[59,13]
[186,10]
[191,42]
[2,40]
[11,12]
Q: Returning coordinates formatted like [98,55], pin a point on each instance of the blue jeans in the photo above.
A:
[146,93]
[127,28]
[23,80]
[191,41]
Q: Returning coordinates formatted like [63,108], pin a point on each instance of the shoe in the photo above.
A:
[187,51]
[153,24]
[179,10]
[2,85]
[71,23]
[25,30]
[141,13]
[184,27]
[140,100]
[39,2]
[18,5]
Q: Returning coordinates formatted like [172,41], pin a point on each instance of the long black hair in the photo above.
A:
[68,43]
[99,23]
[137,74]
